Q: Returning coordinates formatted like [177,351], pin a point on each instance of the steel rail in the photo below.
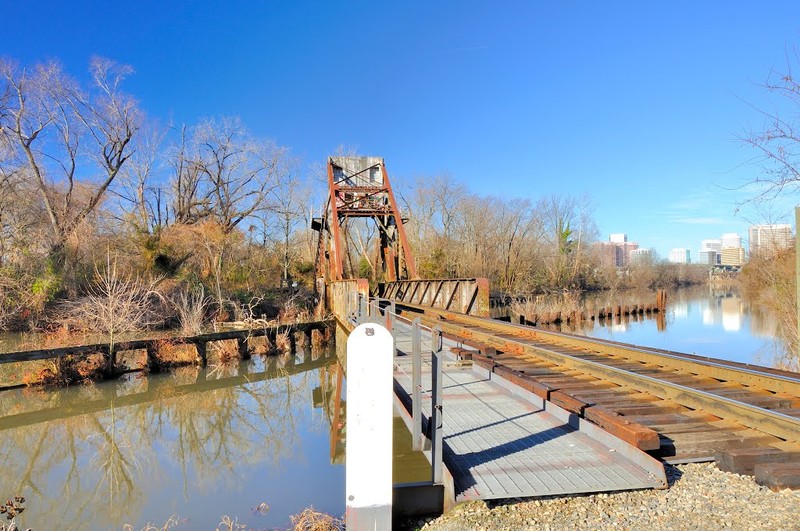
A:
[767,421]
[691,357]
[719,370]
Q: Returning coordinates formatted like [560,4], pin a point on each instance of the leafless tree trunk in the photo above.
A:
[53,122]
[186,204]
[140,198]
[286,210]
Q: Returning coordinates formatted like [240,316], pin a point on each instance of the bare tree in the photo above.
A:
[224,174]
[54,122]
[141,199]
[777,142]
[435,205]
[187,205]
[285,209]
[116,303]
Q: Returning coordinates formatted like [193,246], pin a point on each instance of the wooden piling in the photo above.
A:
[152,358]
[202,352]
[244,351]
[661,300]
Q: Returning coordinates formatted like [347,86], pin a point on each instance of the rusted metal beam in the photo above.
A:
[463,295]
[350,194]
[335,261]
[411,266]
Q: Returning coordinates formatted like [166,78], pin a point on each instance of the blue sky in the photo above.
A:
[636,105]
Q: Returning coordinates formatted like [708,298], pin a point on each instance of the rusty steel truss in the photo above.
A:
[358,187]
[469,296]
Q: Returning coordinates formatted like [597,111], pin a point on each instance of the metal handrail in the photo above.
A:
[362,311]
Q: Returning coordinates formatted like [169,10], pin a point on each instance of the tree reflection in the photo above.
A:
[84,456]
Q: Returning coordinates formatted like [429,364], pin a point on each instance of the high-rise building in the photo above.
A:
[731,256]
[615,252]
[625,251]
[640,256]
[707,257]
[731,239]
[767,239]
[680,255]
[711,245]
[607,253]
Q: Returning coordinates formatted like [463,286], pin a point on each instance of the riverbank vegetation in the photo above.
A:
[523,246]
[770,281]
[770,276]
[112,222]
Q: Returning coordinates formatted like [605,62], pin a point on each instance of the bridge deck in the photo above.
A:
[498,444]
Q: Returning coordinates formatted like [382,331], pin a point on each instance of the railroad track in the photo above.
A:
[679,407]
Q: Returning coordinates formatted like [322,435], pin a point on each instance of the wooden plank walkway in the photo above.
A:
[500,443]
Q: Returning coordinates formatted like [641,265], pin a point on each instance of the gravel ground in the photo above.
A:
[700,497]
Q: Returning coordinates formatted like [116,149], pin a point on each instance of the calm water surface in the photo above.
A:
[706,321]
[194,443]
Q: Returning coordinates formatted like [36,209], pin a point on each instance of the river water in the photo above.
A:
[252,441]
[707,321]
[264,439]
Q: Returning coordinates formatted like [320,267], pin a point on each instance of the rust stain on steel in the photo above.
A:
[359,187]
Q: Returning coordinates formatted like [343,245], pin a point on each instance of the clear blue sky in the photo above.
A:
[636,105]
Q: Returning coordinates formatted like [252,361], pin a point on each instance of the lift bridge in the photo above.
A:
[503,410]
[359,190]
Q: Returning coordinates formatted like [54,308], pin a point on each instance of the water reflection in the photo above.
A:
[195,442]
[711,321]
[705,320]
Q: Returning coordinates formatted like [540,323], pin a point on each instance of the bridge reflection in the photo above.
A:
[142,449]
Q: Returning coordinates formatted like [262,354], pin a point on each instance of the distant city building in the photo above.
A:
[640,256]
[708,257]
[607,253]
[615,252]
[711,245]
[680,256]
[726,250]
[731,239]
[769,238]
[625,252]
[731,256]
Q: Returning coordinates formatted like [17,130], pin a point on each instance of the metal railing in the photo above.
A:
[360,309]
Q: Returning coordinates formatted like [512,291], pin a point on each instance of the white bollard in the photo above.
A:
[368,449]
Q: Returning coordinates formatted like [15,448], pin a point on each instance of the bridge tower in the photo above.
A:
[359,187]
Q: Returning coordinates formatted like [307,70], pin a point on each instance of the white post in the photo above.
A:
[368,451]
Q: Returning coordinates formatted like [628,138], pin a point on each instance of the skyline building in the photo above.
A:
[616,251]
[769,238]
[731,256]
[707,257]
[731,239]
[711,245]
[726,251]
[680,255]
[640,256]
